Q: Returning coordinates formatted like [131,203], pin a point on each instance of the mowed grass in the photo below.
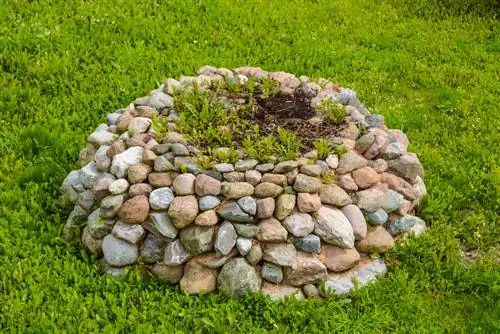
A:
[65,65]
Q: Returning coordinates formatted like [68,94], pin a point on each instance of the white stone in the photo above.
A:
[122,161]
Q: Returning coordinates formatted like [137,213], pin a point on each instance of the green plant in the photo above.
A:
[323,148]
[160,128]
[339,149]
[258,147]
[205,162]
[182,167]
[289,144]
[335,112]
[226,155]
[329,177]
[269,87]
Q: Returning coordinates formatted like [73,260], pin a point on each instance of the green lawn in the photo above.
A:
[66,65]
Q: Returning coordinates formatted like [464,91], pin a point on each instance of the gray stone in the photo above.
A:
[71,229]
[208,202]
[403,224]
[179,149]
[97,226]
[118,187]
[89,174]
[364,142]
[246,230]
[101,159]
[175,253]
[350,161]
[71,183]
[225,239]
[271,273]
[393,151]
[357,220]
[85,200]
[244,165]
[375,120]
[237,277]
[232,212]
[163,224]
[334,228]
[162,164]
[224,168]
[248,204]
[370,199]
[152,249]
[310,170]
[139,125]
[377,217]
[197,239]
[306,184]
[285,166]
[407,166]
[281,254]
[184,184]
[119,253]
[110,206]
[253,177]
[91,244]
[267,189]
[255,255]
[243,245]
[299,224]
[310,243]
[122,161]
[160,198]
[128,232]
[332,194]
[160,101]
[392,201]
[264,168]
[235,190]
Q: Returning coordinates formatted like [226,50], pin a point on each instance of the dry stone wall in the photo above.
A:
[280,228]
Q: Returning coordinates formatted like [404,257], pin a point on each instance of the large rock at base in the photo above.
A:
[198,279]
[183,210]
[334,195]
[135,210]
[280,292]
[271,230]
[378,240]
[334,228]
[167,274]
[305,269]
[357,220]
[119,253]
[237,277]
[197,239]
[281,254]
[338,259]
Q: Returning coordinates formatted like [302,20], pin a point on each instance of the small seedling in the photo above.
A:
[335,112]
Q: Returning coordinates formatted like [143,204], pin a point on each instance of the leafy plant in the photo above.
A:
[269,87]
[329,177]
[259,148]
[226,155]
[323,148]
[205,162]
[160,128]
[289,144]
[335,112]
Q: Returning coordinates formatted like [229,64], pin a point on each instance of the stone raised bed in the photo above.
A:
[277,227]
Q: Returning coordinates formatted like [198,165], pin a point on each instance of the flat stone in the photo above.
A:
[160,199]
[208,202]
[299,224]
[338,259]
[378,217]
[161,180]
[253,177]
[197,239]
[198,279]
[310,243]
[285,166]
[271,273]
[278,179]
[334,228]
[267,189]
[350,161]
[306,184]
[334,195]
[179,149]
[134,210]
[140,189]
[246,230]
[264,168]
[281,292]
[357,220]
[378,240]
[232,212]
[310,170]
[237,277]
[392,201]
[281,254]
[365,177]
[119,253]
[206,185]
[175,253]
[284,206]
[248,204]
[244,165]
[347,183]
[122,161]
[364,273]
[152,249]
[225,239]
[97,226]
[213,260]
[370,199]
[271,229]
[118,187]
[235,190]
[403,224]
[206,218]
[183,210]
[224,168]
[184,184]
[167,274]
[305,269]
[163,224]
[243,245]
[128,232]
[234,177]
[307,202]
[407,166]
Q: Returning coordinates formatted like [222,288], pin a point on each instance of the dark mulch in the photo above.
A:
[292,113]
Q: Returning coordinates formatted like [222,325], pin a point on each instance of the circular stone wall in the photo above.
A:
[152,196]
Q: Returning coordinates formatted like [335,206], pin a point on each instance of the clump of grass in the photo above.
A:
[226,155]
[289,144]
[160,127]
[323,148]
[269,87]
[258,147]
[205,162]
[333,111]
[339,149]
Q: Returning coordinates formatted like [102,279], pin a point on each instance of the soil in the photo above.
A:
[292,113]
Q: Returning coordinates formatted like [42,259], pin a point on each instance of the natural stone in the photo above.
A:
[248,204]
[350,161]
[347,183]
[365,177]
[118,252]
[161,180]
[208,202]
[299,224]
[278,179]
[357,220]
[224,168]
[271,273]
[97,226]
[310,243]
[267,189]
[332,194]
[338,259]
[253,177]
[160,199]
[285,166]
[137,173]
[243,245]
[110,205]
[407,166]
[184,184]
[235,190]
[281,254]
[284,205]
[118,187]
[234,177]
[244,165]
[369,199]
[271,229]
[264,168]
[163,224]
[334,228]
[198,279]
[225,239]
[377,217]
[378,240]
[403,224]
[128,232]
[232,212]
[175,253]
[206,185]
[310,170]
[400,185]
[152,249]
[213,260]
[281,292]
[206,218]
[134,210]
[265,207]
[140,189]
[122,161]
[163,164]
[197,239]
[167,274]
[307,184]
[255,254]
[237,277]
[305,269]
[246,230]
[91,244]
[183,210]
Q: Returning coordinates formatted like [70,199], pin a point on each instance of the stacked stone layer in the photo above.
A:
[280,228]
